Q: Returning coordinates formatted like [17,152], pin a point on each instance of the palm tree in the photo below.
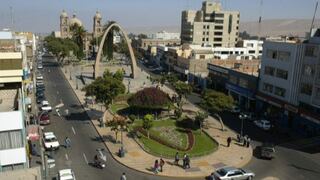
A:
[78,36]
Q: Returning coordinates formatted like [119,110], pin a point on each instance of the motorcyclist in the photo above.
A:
[96,159]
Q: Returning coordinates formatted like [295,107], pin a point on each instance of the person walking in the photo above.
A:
[187,162]
[123,177]
[229,141]
[176,159]
[245,140]
[67,142]
[184,160]
[161,164]
[248,142]
[156,167]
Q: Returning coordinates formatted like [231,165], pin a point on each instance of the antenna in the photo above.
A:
[259,27]
[12,28]
[314,15]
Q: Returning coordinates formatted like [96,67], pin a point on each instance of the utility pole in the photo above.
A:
[314,15]
[12,28]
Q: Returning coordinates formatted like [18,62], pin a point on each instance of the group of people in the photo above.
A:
[246,140]
[158,166]
[186,160]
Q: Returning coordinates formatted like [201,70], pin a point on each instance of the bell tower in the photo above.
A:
[97,25]
[64,24]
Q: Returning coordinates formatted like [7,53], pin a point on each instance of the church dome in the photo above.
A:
[98,15]
[75,21]
[64,14]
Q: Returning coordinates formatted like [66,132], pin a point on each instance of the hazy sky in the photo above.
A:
[43,15]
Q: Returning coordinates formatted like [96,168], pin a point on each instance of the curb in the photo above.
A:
[91,120]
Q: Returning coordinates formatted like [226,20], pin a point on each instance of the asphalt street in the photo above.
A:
[79,129]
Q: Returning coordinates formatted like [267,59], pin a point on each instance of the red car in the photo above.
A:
[44,119]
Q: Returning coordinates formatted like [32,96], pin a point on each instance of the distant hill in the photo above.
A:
[271,27]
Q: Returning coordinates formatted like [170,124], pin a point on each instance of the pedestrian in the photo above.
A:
[51,152]
[229,141]
[67,142]
[176,159]
[248,142]
[184,160]
[187,162]
[123,177]
[245,140]
[161,164]
[34,150]
[156,167]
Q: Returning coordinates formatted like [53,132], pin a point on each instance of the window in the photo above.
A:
[272,54]
[218,21]
[237,27]
[207,39]
[218,33]
[208,33]
[219,15]
[308,70]
[282,74]
[267,87]
[279,91]
[217,39]
[284,56]
[203,39]
[218,27]
[208,26]
[269,70]
[203,33]
[306,89]
[202,56]
[204,26]
[217,45]
[311,51]
[233,79]
[243,83]
[252,51]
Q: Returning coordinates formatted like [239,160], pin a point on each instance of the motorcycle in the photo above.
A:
[99,164]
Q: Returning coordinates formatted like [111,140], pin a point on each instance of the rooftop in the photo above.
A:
[7,99]
[10,55]
[25,174]
[11,120]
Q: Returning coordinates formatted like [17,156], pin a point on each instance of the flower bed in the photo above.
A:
[162,141]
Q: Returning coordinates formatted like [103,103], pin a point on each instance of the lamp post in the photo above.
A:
[242,118]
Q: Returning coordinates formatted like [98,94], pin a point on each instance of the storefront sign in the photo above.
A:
[291,108]
[269,101]
[239,90]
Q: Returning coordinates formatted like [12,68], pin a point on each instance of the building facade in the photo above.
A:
[289,88]
[210,26]
[164,35]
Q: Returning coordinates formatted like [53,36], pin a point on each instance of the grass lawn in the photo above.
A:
[203,143]
[116,107]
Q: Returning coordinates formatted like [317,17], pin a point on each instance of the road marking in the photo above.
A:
[85,158]
[67,158]
[74,132]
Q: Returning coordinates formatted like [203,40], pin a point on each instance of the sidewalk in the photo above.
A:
[136,158]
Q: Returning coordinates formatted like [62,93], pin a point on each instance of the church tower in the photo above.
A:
[97,25]
[64,25]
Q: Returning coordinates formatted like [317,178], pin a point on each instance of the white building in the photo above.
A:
[164,35]
[11,70]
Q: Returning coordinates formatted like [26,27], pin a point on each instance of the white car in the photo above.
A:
[50,141]
[40,66]
[39,77]
[66,174]
[230,173]
[45,106]
[263,124]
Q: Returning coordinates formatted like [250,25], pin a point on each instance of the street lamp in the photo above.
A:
[242,118]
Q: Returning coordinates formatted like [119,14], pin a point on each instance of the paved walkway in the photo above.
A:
[136,158]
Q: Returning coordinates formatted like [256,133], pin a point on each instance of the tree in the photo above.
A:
[78,35]
[178,113]
[216,102]
[147,122]
[119,74]
[201,117]
[117,124]
[150,98]
[183,90]
[105,88]
[60,48]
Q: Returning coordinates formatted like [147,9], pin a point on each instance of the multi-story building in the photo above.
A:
[148,43]
[164,35]
[210,26]
[289,85]
[11,70]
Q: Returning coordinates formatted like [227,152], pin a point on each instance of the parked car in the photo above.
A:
[40,66]
[44,119]
[45,106]
[50,141]
[263,124]
[228,173]
[267,151]
[66,174]
[40,99]
[247,115]
[235,109]
[40,94]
